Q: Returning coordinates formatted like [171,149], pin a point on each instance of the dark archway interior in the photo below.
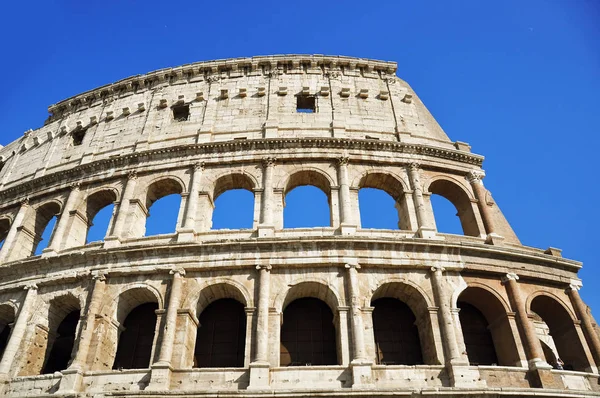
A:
[308,334]
[60,353]
[477,336]
[396,335]
[135,343]
[221,338]
[4,335]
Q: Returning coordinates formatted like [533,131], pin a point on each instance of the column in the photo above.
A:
[475,177]
[586,322]
[445,316]
[266,227]
[358,336]
[262,323]
[14,227]
[425,230]
[187,233]
[59,233]
[533,348]
[16,337]
[85,337]
[166,347]
[123,209]
[345,201]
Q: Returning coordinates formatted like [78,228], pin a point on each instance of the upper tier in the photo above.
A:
[224,100]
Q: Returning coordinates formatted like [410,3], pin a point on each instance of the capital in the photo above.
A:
[99,276]
[437,268]
[266,267]
[352,266]
[75,186]
[343,160]
[475,176]
[198,166]
[414,166]
[31,286]
[132,175]
[510,277]
[575,285]
[177,272]
[269,161]
[25,201]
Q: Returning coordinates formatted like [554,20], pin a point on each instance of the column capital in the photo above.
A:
[575,285]
[177,271]
[266,267]
[25,201]
[437,268]
[343,161]
[75,186]
[352,266]
[510,277]
[475,176]
[198,166]
[132,175]
[269,161]
[30,286]
[99,276]
[414,166]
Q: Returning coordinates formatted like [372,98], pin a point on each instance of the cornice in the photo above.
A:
[214,71]
[73,174]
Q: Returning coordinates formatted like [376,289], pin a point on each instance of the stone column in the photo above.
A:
[425,229]
[475,177]
[18,332]
[58,236]
[9,242]
[586,322]
[362,377]
[347,224]
[187,233]
[86,334]
[533,348]
[445,317]
[266,227]
[122,213]
[259,368]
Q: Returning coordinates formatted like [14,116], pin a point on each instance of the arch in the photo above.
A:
[236,180]
[221,336]
[43,215]
[392,184]
[92,205]
[556,298]
[5,223]
[315,288]
[455,192]
[550,313]
[136,342]
[8,314]
[161,187]
[308,176]
[64,312]
[308,334]
[218,288]
[133,295]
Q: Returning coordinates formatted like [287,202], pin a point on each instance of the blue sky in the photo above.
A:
[519,81]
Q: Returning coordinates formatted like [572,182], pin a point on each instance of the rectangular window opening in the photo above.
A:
[306,104]
[78,136]
[181,113]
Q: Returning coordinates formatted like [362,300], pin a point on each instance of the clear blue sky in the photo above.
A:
[518,80]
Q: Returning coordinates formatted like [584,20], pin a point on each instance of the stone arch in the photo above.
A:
[556,326]
[310,287]
[219,288]
[130,296]
[307,176]
[89,207]
[162,186]
[460,196]
[8,315]
[43,214]
[419,303]
[382,179]
[233,180]
[494,308]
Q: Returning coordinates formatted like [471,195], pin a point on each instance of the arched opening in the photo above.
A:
[486,329]
[7,319]
[396,334]
[555,328]
[46,217]
[308,334]
[221,338]
[163,203]
[381,202]
[307,201]
[60,352]
[4,228]
[402,328]
[234,202]
[134,350]
[461,203]
[99,212]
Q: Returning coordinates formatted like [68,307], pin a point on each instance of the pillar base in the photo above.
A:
[362,375]
[111,241]
[347,229]
[541,375]
[49,252]
[265,231]
[494,239]
[259,376]
[427,233]
[71,381]
[186,235]
[160,377]
[465,376]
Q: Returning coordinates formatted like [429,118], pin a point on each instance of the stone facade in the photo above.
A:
[268,125]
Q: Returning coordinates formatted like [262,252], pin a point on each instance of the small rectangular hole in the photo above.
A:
[181,113]
[78,136]
[306,104]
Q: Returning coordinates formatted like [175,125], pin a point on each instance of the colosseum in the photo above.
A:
[330,311]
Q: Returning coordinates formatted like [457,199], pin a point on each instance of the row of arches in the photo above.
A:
[307,200]
[403,330]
